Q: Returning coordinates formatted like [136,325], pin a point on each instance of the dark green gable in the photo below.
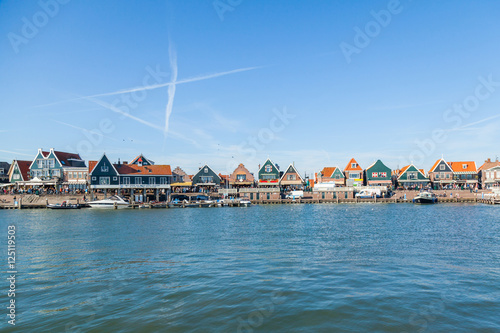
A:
[378,171]
[412,174]
[337,174]
[206,176]
[269,173]
[104,173]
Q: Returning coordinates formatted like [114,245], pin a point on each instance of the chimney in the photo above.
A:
[118,161]
[488,160]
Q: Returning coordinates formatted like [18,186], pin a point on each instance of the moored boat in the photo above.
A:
[63,205]
[425,198]
[111,202]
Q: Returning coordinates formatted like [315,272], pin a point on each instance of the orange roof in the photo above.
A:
[470,166]
[403,169]
[349,168]
[435,164]
[488,164]
[328,171]
[160,170]
[92,165]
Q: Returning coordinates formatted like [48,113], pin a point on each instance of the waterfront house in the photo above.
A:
[241,177]
[489,174]
[353,173]
[269,174]
[19,171]
[206,178]
[4,172]
[291,179]
[378,174]
[181,181]
[331,175]
[53,168]
[441,174]
[465,174]
[411,177]
[128,178]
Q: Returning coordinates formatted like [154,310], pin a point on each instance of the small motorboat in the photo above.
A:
[425,198]
[245,203]
[63,205]
[115,201]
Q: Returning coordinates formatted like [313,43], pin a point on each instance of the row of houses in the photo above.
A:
[68,171]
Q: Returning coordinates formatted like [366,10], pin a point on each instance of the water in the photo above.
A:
[283,268]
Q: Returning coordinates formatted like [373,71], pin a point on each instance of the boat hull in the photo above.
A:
[107,206]
[423,201]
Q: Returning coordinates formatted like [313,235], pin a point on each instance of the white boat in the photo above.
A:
[245,203]
[425,197]
[111,202]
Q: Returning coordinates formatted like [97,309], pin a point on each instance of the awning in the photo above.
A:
[181,184]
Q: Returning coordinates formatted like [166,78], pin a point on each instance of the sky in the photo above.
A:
[223,82]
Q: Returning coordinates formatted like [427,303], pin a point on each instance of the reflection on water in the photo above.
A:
[365,267]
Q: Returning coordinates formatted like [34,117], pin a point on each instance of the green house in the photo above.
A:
[378,174]
[411,176]
[206,177]
[269,174]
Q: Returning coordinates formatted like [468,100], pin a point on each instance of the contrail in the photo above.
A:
[125,114]
[15,153]
[160,85]
[171,87]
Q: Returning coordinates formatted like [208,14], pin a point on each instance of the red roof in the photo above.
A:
[350,168]
[157,170]
[92,165]
[24,167]
[328,171]
[488,164]
[63,157]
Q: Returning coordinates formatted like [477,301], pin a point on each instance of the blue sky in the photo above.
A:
[314,83]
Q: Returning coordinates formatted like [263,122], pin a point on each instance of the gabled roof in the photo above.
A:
[241,169]
[458,167]
[24,168]
[291,169]
[135,160]
[488,164]
[64,158]
[405,168]
[274,165]
[349,168]
[179,171]
[328,171]
[377,162]
[437,163]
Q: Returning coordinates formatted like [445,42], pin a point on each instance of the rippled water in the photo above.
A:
[283,268]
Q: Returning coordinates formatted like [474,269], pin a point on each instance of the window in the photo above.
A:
[79,175]
[2,171]
[175,178]
[205,170]
[412,175]
[70,175]
[206,179]
[126,180]
[104,181]
[152,181]
[51,163]
[163,180]
[337,176]
[268,168]
[374,174]
[464,166]
[291,177]
[115,178]
[441,167]
[268,177]
[383,174]
[93,178]
[241,177]
[16,176]
[354,175]
[354,165]
[104,168]
[441,175]
[138,180]
[268,196]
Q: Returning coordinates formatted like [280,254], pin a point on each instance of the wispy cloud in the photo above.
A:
[15,153]
[84,130]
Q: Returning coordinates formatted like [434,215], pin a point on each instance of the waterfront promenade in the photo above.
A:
[34,201]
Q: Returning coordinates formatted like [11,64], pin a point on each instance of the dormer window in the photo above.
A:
[354,165]
[464,166]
